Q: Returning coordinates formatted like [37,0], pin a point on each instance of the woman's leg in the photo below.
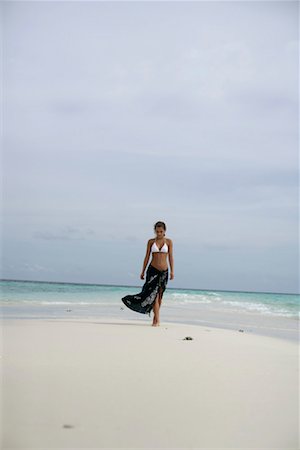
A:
[156,307]
[160,296]
[156,311]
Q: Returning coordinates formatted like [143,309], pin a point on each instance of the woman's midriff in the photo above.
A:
[159,261]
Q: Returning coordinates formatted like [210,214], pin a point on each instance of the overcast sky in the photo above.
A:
[119,114]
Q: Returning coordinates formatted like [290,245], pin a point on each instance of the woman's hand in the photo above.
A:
[142,276]
[171,275]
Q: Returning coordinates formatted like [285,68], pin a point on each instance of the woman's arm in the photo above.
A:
[171,260]
[146,257]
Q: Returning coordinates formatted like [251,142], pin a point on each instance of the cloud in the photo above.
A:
[66,233]
[220,246]
[121,113]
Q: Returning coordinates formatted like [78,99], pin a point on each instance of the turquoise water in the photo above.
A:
[44,299]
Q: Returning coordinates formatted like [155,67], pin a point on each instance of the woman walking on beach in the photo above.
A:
[156,275]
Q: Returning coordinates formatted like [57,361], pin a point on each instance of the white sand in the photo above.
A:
[126,384]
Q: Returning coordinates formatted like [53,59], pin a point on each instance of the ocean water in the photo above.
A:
[258,312]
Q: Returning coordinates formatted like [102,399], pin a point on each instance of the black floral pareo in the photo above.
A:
[143,301]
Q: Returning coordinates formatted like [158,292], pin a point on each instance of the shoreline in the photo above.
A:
[279,332]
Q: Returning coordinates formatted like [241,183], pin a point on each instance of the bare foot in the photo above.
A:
[154,323]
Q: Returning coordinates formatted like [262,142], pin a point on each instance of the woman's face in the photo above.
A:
[159,232]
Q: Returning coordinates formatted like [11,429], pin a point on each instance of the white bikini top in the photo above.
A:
[155,248]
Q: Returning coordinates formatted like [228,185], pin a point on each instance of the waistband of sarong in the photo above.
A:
[154,268]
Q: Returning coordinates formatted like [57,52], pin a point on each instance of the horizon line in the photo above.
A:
[124,285]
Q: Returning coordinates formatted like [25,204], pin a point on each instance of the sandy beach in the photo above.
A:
[106,383]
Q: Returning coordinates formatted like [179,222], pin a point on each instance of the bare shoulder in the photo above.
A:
[169,241]
[150,241]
